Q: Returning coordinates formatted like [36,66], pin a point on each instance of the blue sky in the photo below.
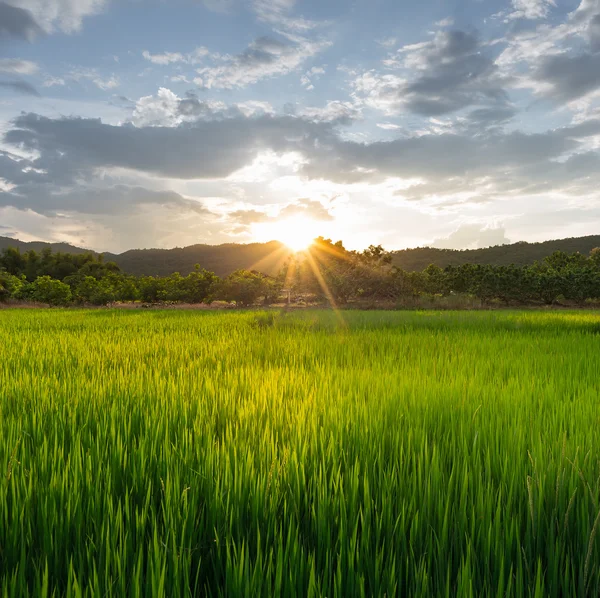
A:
[147,123]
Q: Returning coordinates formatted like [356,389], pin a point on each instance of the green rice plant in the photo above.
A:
[183,453]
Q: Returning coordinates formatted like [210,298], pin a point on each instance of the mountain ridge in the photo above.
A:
[269,257]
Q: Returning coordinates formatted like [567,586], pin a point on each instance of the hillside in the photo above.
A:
[6,242]
[269,257]
[520,254]
[220,259]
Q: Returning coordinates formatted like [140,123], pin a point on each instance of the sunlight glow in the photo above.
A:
[297,233]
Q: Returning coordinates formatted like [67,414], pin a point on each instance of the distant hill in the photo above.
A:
[269,257]
[520,254]
[6,242]
[220,259]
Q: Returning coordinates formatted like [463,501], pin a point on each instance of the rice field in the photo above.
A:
[181,453]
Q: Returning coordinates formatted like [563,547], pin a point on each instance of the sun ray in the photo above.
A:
[274,261]
[323,284]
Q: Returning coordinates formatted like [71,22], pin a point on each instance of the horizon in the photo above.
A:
[290,249]
[456,125]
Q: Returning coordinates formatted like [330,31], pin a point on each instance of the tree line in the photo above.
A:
[326,273]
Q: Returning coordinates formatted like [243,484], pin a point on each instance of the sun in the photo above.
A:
[297,233]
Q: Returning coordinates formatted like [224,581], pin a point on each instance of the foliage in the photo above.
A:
[225,259]
[51,291]
[326,273]
[244,287]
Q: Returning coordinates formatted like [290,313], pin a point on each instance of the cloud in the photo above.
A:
[473,236]
[447,169]
[166,109]
[53,81]
[118,199]
[303,208]
[335,112]
[87,74]
[446,74]
[15,66]
[167,58]
[203,149]
[265,57]
[17,22]
[20,87]
[66,15]
[308,208]
[559,62]
[530,9]
[313,74]
[569,77]
[278,13]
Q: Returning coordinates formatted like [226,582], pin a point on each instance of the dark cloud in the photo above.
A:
[455,73]
[438,157]
[570,77]
[17,22]
[118,199]
[490,117]
[205,149]
[594,33]
[451,72]
[71,150]
[20,87]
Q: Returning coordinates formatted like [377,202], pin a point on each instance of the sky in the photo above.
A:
[153,123]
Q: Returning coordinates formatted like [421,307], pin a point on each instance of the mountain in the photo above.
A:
[520,254]
[269,257]
[220,259]
[6,242]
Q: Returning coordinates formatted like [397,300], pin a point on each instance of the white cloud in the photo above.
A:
[278,13]
[313,74]
[103,83]
[389,126]
[166,109]
[473,236]
[53,81]
[530,9]
[16,66]
[167,58]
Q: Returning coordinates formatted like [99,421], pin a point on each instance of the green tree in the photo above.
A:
[199,285]
[51,291]
[96,292]
[244,287]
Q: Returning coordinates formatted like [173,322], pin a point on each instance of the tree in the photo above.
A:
[243,287]
[96,292]
[199,285]
[10,286]
[48,290]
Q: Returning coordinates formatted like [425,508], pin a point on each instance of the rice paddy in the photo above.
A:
[181,453]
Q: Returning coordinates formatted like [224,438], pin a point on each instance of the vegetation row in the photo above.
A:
[326,273]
